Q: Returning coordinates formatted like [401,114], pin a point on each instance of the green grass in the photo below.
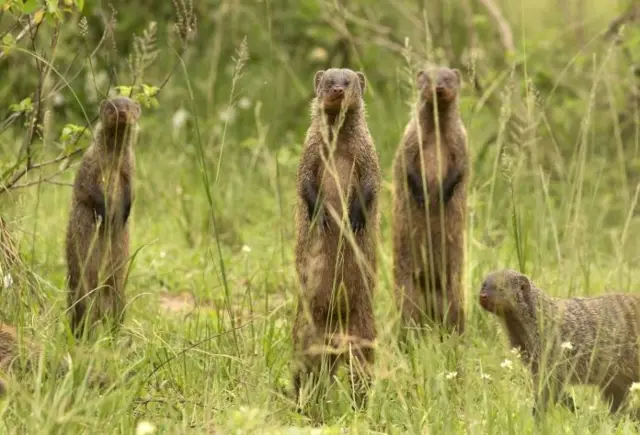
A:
[213,217]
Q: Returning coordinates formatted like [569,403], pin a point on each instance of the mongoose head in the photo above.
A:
[505,291]
[339,87]
[445,82]
[119,111]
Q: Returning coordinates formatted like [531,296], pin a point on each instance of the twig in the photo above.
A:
[21,35]
[43,180]
[7,122]
[630,15]
[503,27]
[43,72]
[13,183]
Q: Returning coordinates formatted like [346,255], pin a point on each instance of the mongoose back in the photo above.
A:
[430,172]
[97,247]
[337,221]
[580,340]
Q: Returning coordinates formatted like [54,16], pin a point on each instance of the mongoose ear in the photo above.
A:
[422,79]
[316,81]
[138,111]
[103,104]
[458,74]
[524,284]
[363,81]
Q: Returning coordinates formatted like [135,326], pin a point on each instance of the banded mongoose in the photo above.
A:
[337,224]
[430,173]
[579,340]
[97,247]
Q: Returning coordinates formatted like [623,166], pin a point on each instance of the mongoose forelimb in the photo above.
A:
[97,246]
[430,173]
[580,340]
[337,221]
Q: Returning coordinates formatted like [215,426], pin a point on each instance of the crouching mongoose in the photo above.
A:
[580,340]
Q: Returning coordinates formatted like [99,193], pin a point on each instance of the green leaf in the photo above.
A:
[25,106]
[29,6]
[8,40]
[149,90]
[52,6]
[124,90]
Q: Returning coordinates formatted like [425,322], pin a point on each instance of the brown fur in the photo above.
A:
[602,331]
[428,227]
[10,347]
[339,177]
[97,235]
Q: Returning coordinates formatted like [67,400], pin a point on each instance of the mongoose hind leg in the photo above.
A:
[454,311]
[84,267]
[548,392]
[316,372]
[114,295]
[615,393]
[361,360]
[409,296]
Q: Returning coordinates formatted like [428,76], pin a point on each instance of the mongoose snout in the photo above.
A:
[120,110]
[485,301]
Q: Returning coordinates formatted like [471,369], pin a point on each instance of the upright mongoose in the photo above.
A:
[580,340]
[430,172]
[337,222]
[97,235]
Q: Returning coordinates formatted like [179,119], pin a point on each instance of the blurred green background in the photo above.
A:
[551,103]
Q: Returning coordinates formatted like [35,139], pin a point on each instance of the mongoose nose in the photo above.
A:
[337,91]
[484,298]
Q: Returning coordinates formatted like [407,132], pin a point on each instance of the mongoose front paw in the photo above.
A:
[321,218]
[356,217]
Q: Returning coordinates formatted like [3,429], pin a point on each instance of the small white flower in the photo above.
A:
[244,103]
[450,375]
[58,99]
[592,408]
[227,115]
[7,281]
[515,351]
[506,364]
[318,54]
[145,428]
[163,254]
[179,118]
[246,248]
[485,376]
[635,386]
[566,345]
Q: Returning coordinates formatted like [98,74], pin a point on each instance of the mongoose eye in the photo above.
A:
[346,83]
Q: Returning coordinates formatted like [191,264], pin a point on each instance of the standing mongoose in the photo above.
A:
[430,172]
[580,340]
[97,246]
[337,222]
